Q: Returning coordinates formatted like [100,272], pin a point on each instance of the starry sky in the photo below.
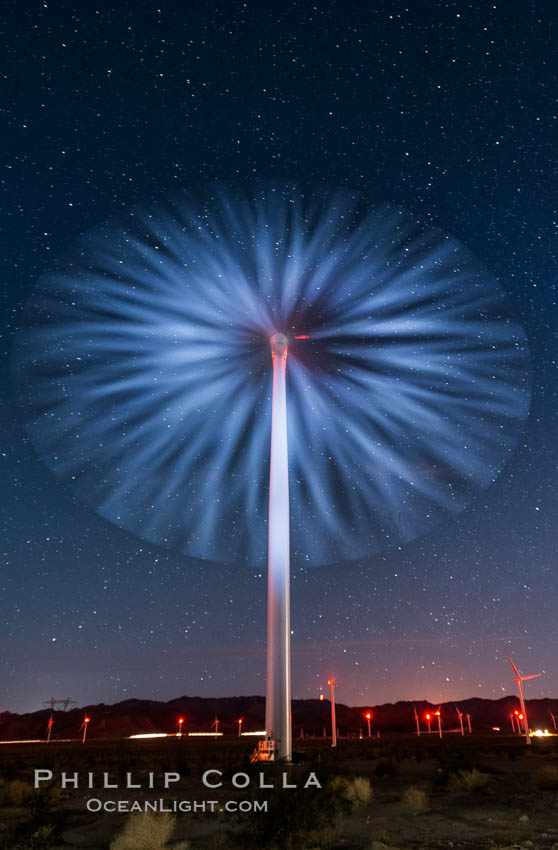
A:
[448,109]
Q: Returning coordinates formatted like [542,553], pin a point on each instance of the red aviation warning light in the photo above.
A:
[331,683]
[302,336]
[85,724]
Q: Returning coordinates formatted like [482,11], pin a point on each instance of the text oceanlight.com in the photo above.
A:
[175,806]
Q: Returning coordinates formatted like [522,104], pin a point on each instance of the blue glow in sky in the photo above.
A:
[146,372]
[446,109]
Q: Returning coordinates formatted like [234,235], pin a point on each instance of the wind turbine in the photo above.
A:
[331,683]
[460,715]
[520,679]
[417,720]
[84,725]
[278,685]
[404,323]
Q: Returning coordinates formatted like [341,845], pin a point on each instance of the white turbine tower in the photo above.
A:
[278,690]
[402,340]
[520,679]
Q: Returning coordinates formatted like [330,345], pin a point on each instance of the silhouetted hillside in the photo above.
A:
[134,716]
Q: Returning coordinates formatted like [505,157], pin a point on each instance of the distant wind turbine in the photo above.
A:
[460,715]
[417,720]
[520,679]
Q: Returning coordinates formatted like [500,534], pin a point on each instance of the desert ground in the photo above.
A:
[477,791]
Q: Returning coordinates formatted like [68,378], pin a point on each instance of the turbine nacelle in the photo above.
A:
[279,345]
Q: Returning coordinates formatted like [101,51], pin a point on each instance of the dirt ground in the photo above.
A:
[401,792]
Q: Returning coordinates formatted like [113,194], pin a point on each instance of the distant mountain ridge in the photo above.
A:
[136,716]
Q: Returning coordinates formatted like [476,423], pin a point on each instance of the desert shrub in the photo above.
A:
[451,761]
[324,838]
[294,819]
[545,778]
[16,792]
[44,837]
[354,791]
[386,767]
[147,831]
[468,780]
[415,799]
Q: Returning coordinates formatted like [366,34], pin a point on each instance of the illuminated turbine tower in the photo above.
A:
[523,716]
[278,692]
[135,395]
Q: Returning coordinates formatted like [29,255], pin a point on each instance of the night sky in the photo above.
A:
[448,109]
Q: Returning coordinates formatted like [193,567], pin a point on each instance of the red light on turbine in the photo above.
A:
[321,696]
[516,713]
[368,715]
[331,681]
[428,717]
[302,336]
[87,720]
[437,713]
[520,716]
[181,720]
